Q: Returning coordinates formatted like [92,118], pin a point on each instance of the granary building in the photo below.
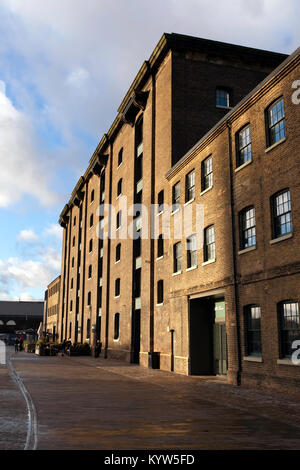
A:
[208,129]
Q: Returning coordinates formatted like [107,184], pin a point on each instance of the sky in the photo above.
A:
[65,66]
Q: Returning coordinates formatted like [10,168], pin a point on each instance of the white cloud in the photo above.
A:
[27,236]
[54,230]
[17,274]
[78,77]
[21,169]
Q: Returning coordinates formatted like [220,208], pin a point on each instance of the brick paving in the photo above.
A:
[87,403]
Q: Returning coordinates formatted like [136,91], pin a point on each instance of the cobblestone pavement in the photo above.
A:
[87,403]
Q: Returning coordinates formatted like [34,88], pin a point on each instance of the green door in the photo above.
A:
[220,349]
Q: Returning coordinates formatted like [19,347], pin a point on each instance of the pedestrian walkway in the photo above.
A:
[87,403]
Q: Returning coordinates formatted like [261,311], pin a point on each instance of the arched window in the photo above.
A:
[252,318]
[120,157]
[118,252]
[11,323]
[88,328]
[160,292]
[119,188]
[289,326]
[117,326]
[117,287]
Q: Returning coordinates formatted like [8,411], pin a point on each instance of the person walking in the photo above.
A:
[63,348]
[16,342]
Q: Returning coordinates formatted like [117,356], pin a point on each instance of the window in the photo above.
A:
[190,186]
[71,305]
[91,246]
[73,262]
[289,326]
[176,196]
[89,299]
[207,173]
[119,219]
[119,188]
[72,283]
[244,146]
[92,195]
[160,292]
[137,276]
[160,201]
[120,157]
[275,122]
[88,328]
[90,271]
[91,220]
[70,330]
[117,326]
[74,221]
[177,257]
[139,149]
[252,316]
[281,213]
[73,242]
[117,287]
[191,246]
[209,244]
[118,252]
[247,228]
[160,246]
[223,98]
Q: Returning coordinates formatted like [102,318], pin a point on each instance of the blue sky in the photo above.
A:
[64,68]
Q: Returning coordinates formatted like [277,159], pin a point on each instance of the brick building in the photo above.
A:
[150,300]
[51,311]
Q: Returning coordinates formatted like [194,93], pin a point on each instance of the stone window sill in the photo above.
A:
[241,167]
[223,107]
[247,250]
[281,239]
[175,212]
[275,145]
[159,305]
[189,202]
[253,359]
[286,362]
[177,274]
[209,262]
[192,268]
[206,190]
[159,258]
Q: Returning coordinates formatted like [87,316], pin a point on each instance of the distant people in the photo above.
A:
[98,348]
[63,348]
[21,344]
[16,342]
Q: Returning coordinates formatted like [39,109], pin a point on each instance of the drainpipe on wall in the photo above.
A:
[234,246]
[82,264]
[108,248]
[152,241]
[68,275]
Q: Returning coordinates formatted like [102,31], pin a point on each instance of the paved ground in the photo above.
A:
[87,403]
